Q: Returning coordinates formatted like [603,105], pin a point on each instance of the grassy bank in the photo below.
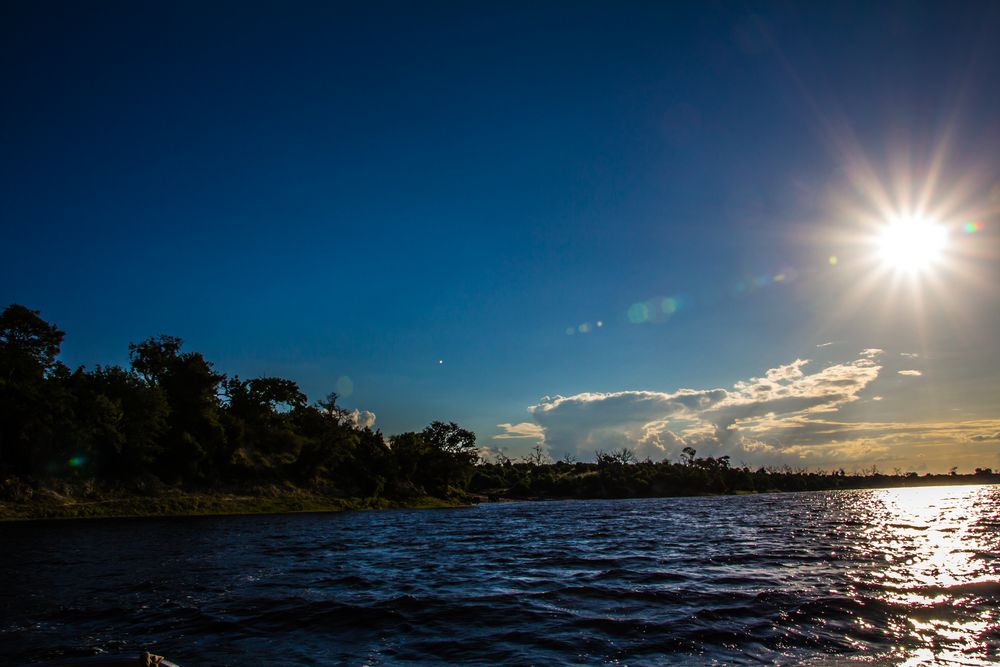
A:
[51,505]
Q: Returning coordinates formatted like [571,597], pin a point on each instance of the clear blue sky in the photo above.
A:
[428,198]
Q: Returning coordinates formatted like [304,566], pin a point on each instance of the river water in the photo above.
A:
[902,576]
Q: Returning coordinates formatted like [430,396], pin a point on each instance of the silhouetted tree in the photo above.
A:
[33,409]
[172,416]
[191,388]
[140,414]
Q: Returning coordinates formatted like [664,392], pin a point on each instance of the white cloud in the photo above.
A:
[742,422]
[826,344]
[362,418]
[792,414]
[909,355]
[788,371]
[589,422]
[524,430]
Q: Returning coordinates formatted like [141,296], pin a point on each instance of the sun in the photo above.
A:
[912,244]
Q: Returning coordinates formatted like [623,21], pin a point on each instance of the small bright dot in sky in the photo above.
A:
[833,260]
[440,361]
[911,244]
[600,323]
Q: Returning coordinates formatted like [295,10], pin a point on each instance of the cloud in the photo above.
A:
[787,372]
[909,355]
[911,373]
[740,422]
[590,422]
[826,344]
[362,418]
[985,437]
[524,430]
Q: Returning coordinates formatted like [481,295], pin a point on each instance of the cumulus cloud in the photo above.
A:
[589,422]
[362,418]
[524,430]
[911,373]
[744,422]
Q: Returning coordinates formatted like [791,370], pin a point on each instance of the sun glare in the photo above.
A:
[912,244]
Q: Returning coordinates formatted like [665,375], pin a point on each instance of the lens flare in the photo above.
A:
[638,313]
[344,386]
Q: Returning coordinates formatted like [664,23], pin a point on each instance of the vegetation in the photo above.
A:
[619,475]
[102,439]
[171,435]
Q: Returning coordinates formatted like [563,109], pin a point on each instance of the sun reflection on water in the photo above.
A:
[935,564]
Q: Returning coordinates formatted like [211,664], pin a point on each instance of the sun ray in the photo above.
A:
[913,241]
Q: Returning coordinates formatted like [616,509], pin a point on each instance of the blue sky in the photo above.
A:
[440,203]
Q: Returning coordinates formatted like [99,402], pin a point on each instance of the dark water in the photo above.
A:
[909,576]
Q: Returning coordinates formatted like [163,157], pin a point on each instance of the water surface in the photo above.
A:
[903,576]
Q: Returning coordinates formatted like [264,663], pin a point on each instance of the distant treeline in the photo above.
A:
[620,475]
[170,419]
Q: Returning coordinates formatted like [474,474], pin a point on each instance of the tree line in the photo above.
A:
[620,474]
[171,418]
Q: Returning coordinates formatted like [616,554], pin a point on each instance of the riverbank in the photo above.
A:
[51,505]
[83,502]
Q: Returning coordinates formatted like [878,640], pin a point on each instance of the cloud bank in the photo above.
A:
[753,421]
[794,414]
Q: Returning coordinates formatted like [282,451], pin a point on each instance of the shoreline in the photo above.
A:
[179,504]
[204,505]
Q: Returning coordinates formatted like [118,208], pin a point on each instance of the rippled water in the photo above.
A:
[907,576]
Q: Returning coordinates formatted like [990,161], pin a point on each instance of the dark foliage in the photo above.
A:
[620,475]
[172,419]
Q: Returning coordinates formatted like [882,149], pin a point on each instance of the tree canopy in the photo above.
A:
[173,418]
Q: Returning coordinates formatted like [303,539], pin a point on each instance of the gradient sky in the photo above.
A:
[585,224]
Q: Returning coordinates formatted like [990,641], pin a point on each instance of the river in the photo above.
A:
[900,576]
